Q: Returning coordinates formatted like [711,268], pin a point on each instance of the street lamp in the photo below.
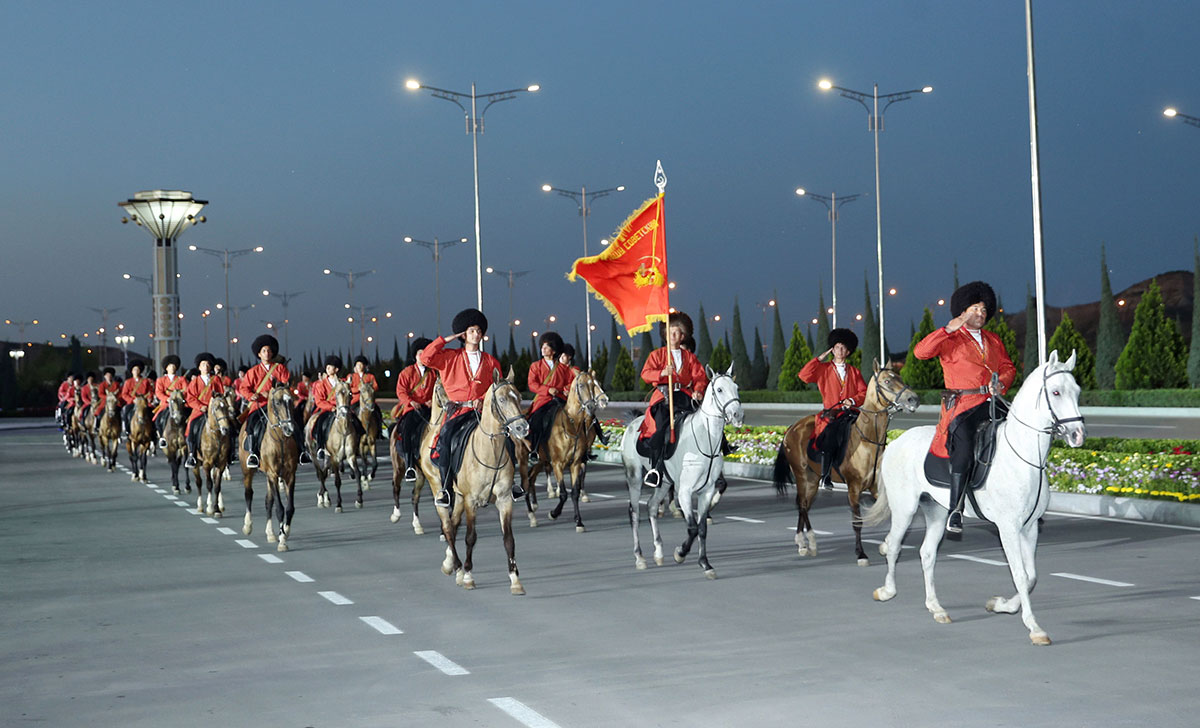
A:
[104,314]
[474,121]
[349,277]
[512,276]
[204,317]
[362,322]
[831,203]
[284,297]
[125,340]
[435,246]
[581,199]
[17,355]
[226,255]
[141,279]
[1172,113]
[165,214]
[874,124]
[237,312]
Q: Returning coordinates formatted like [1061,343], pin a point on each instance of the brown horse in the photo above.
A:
[886,393]
[277,461]
[341,446]
[74,424]
[174,425]
[368,462]
[141,438]
[109,429]
[565,448]
[87,425]
[400,467]
[486,474]
[213,456]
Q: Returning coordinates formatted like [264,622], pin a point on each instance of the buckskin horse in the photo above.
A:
[141,436]
[341,447]
[368,462]
[109,428]
[400,466]
[213,458]
[886,393]
[173,432]
[278,460]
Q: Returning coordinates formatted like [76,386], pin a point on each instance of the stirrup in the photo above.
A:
[251,461]
[305,459]
[162,443]
[190,463]
[954,523]
[443,498]
[517,490]
[827,482]
[652,479]
[322,456]
[410,475]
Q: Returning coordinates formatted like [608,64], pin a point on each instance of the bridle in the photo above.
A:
[284,419]
[888,409]
[722,412]
[1057,424]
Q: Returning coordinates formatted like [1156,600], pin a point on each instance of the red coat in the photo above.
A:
[85,396]
[323,397]
[965,366]
[102,390]
[300,392]
[132,388]
[355,382]
[413,389]
[256,385]
[833,389]
[163,388]
[689,379]
[458,381]
[64,392]
[542,379]
[199,395]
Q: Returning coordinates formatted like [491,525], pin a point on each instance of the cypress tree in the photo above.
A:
[741,358]
[809,340]
[955,276]
[76,366]
[624,377]
[704,345]
[8,383]
[1031,340]
[778,346]
[647,347]
[797,355]
[397,360]
[721,358]
[922,373]
[822,324]
[1154,356]
[758,367]
[1110,338]
[1193,365]
[999,326]
[1066,339]
[869,346]
[614,344]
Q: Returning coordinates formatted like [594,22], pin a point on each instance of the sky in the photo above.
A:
[292,120]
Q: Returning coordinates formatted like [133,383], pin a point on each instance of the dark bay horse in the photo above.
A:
[213,457]
[400,467]
[278,460]
[174,427]
[368,462]
[141,437]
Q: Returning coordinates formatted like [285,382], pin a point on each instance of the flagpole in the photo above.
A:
[660,181]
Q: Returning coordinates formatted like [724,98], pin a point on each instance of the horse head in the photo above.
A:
[366,396]
[176,405]
[220,415]
[112,406]
[279,410]
[721,396]
[341,393]
[588,391]
[504,402]
[1060,395]
[891,389]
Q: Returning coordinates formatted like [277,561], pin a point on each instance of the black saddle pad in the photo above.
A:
[937,470]
[458,446]
[643,443]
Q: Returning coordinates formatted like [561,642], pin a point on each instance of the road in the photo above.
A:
[122,607]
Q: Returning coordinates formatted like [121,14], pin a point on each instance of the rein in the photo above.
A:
[723,415]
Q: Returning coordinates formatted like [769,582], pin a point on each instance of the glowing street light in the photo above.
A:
[226,255]
[1172,113]
[831,203]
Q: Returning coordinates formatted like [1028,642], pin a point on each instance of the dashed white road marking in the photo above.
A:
[226,531]
[153,487]
[1196,598]
[246,543]
[744,519]
[182,503]
[335,598]
[977,559]
[1126,521]
[299,576]
[523,713]
[270,558]
[1092,579]
[208,520]
[600,495]
[170,497]
[382,626]
[872,540]
[441,662]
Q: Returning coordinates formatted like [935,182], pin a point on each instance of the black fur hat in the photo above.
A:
[170,359]
[365,362]
[467,318]
[193,373]
[569,350]
[970,294]
[138,363]
[335,360]
[90,375]
[678,318]
[689,343]
[204,356]
[219,362]
[418,344]
[845,337]
[265,340]
[109,370]
[554,340]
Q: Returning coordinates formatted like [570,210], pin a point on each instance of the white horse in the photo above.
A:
[694,467]
[1013,497]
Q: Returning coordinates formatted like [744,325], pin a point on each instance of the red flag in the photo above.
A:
[630,275]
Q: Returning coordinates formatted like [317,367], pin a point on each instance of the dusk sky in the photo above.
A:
[292,120]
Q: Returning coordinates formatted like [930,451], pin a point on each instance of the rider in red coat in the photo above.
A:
[355,380]
[169,382]
[255,387]
[842,393]
[108,384]
[970,357]
[199,393]
[135,386]
[689,379]
[414,392]
[324,401]
[549,381]
[66,400]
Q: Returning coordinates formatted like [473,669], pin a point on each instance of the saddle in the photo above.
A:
[937,470]
[458,449]
[643,444]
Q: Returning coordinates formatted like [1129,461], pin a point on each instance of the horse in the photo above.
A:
[400,467]
[565,448]
[886,393]
[87,425]
[694,467]
[174,426]
[277,461]
[141,437]
[368,462]
[486,474]
[341,446]
[109,429]
[74,424]
[1013,496]
[212,460]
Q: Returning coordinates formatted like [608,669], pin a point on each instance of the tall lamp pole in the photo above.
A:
[284,297]
[104,314]
[474,119]
[1172,113]
[874,124]
[831,203]
[349,277]
[581,198]
[22,324]
[435,247]
[226,255]
[511,276]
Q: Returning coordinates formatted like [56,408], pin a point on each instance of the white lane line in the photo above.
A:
[441,662]
[1129,521]
[977,559]
[156,488]
[270,558]
[182,503]
[1092,579]
[335,598]
[246,544]
[212,521]
[523,713]
[170,497]
[382,626]
[153,487]
[600,495]
[1196,598]
[226,531]
[299,576]
[872,540]
[744,520]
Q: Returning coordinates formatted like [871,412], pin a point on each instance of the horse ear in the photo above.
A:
[709,371]
[1071,361]
[729,371]
[875,364]
[1053,358]
[512,375]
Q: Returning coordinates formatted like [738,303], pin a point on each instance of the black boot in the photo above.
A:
[191,460]
[826,471]
[517,490]
[958,489]
[445,498]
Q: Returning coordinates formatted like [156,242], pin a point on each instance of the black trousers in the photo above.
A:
[193,434]
[960,440]
[256,425]
[408,431]
[449,428]
[321,428]
[541,421]
[662,425]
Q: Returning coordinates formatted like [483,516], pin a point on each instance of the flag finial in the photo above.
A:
[660,178]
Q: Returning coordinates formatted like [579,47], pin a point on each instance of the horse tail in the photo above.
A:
[879,510]
[783,471]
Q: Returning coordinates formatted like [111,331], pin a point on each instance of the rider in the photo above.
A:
[549,381]
[324,404]
[355,380]
[971,359]
[689,379]
[414,392]
[254,387]
[85,393]
[842,393]
[108,384]
[567,358]
[466,375]
[66,395]
[134,386]
[163,387]
[199,394]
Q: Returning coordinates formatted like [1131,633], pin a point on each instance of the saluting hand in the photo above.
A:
[826,354]
[957,322]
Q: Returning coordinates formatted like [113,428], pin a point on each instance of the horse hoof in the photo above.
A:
[803,550]
[358,504]
[580,529]
[418,530]
[175,489]
[337,510]
[864,561]
[533,506]
[639,563]
[658,561]
[217,514]
[271,538]
[679,557]
[584,498]
[882,595]
[533,522]
[991,604]
[282,546]
[442,538]
[517,590]
[1039,638]
[447,569]
[395,517]
[458,577]
[710,574]
[553,517]
[883,549]
[710,520]
[941,618]
[468,583]
[246,529]
[366,485]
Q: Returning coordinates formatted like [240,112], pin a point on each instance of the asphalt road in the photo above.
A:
[120,607]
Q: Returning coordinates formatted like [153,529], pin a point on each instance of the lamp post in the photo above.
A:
[435,246]
[474,119]
[831,203]
[284,297]
[581,199]
[1172,113]
[204,317]
[512,276]
[362,323]
[17,355]
[874,124]
[141,279]
[349,277]
[165,214]
[226,255]
[125,341]
[21,325]
[104,314]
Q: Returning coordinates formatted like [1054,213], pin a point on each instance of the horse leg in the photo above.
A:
[214,493]
[934,532]
[652,506]
[269,509]
[416,498]
[450,520]
[504,507]
[248,488]
[693,528]
[634,522]
[337,484]
[853,489]
[468,579]
[707,500]
[903,510]
[357,474]
[577,494]
[555,473]
[1020,547]
[286,508]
